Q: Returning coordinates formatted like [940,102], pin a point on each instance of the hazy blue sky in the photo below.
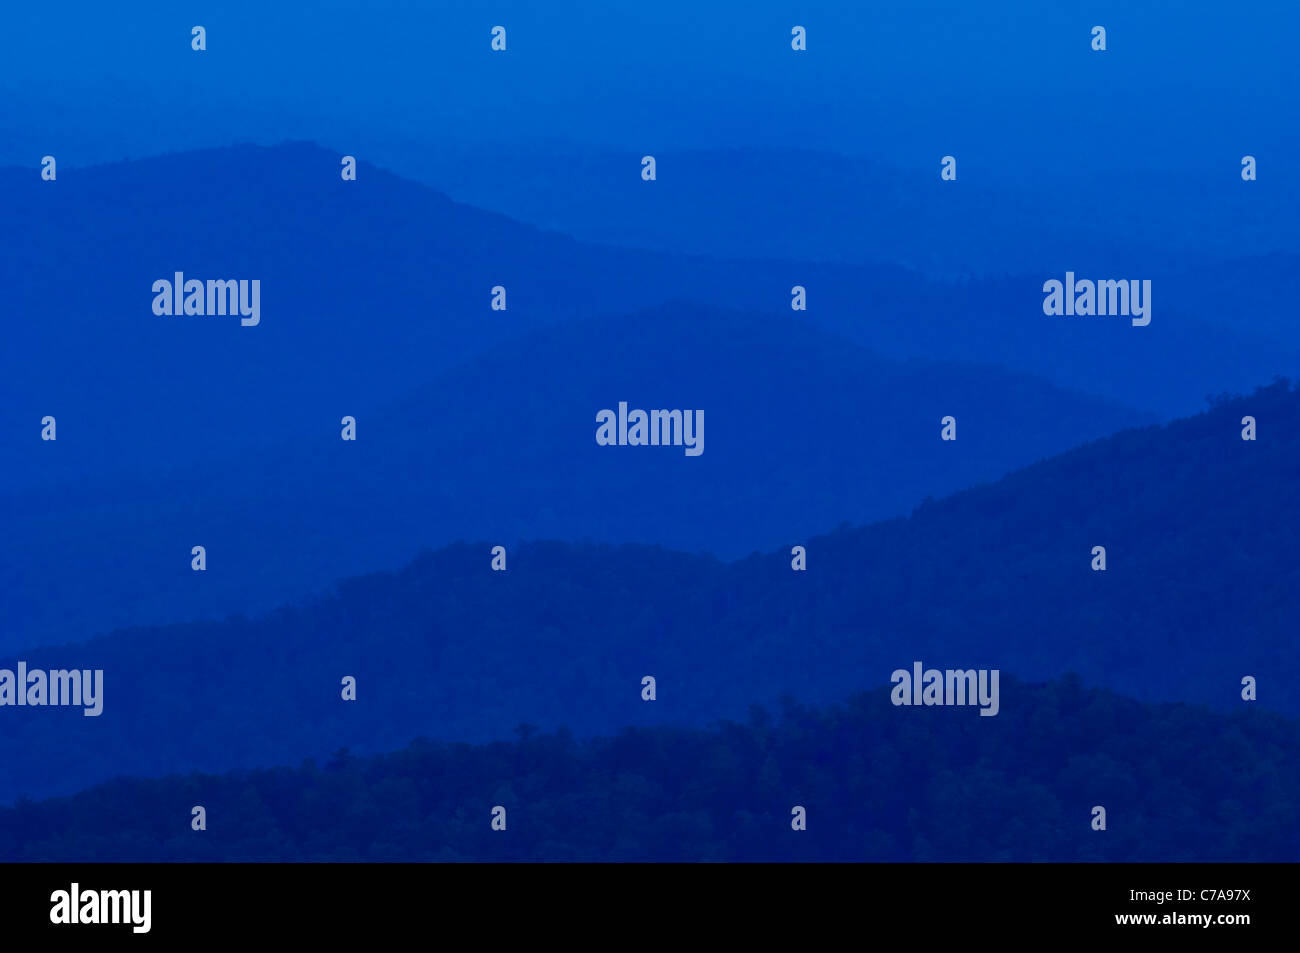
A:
[1012,83]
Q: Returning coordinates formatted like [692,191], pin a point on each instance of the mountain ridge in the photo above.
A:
[997,576]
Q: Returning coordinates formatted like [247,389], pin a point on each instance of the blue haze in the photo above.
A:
[775,168]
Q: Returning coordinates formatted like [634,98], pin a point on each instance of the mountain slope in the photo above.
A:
[803,431]
[1200,591]
[1178,782]
[799,204]
[371,288]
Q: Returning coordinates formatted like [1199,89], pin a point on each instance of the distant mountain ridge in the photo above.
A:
[801,204]
[350,319]
[168,425]
[803,431]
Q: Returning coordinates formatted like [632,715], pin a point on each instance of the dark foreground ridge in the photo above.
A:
[877,782]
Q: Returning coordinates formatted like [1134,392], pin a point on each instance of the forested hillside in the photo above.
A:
[876,782]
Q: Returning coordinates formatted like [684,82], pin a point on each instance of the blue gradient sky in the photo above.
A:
[1010,86]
